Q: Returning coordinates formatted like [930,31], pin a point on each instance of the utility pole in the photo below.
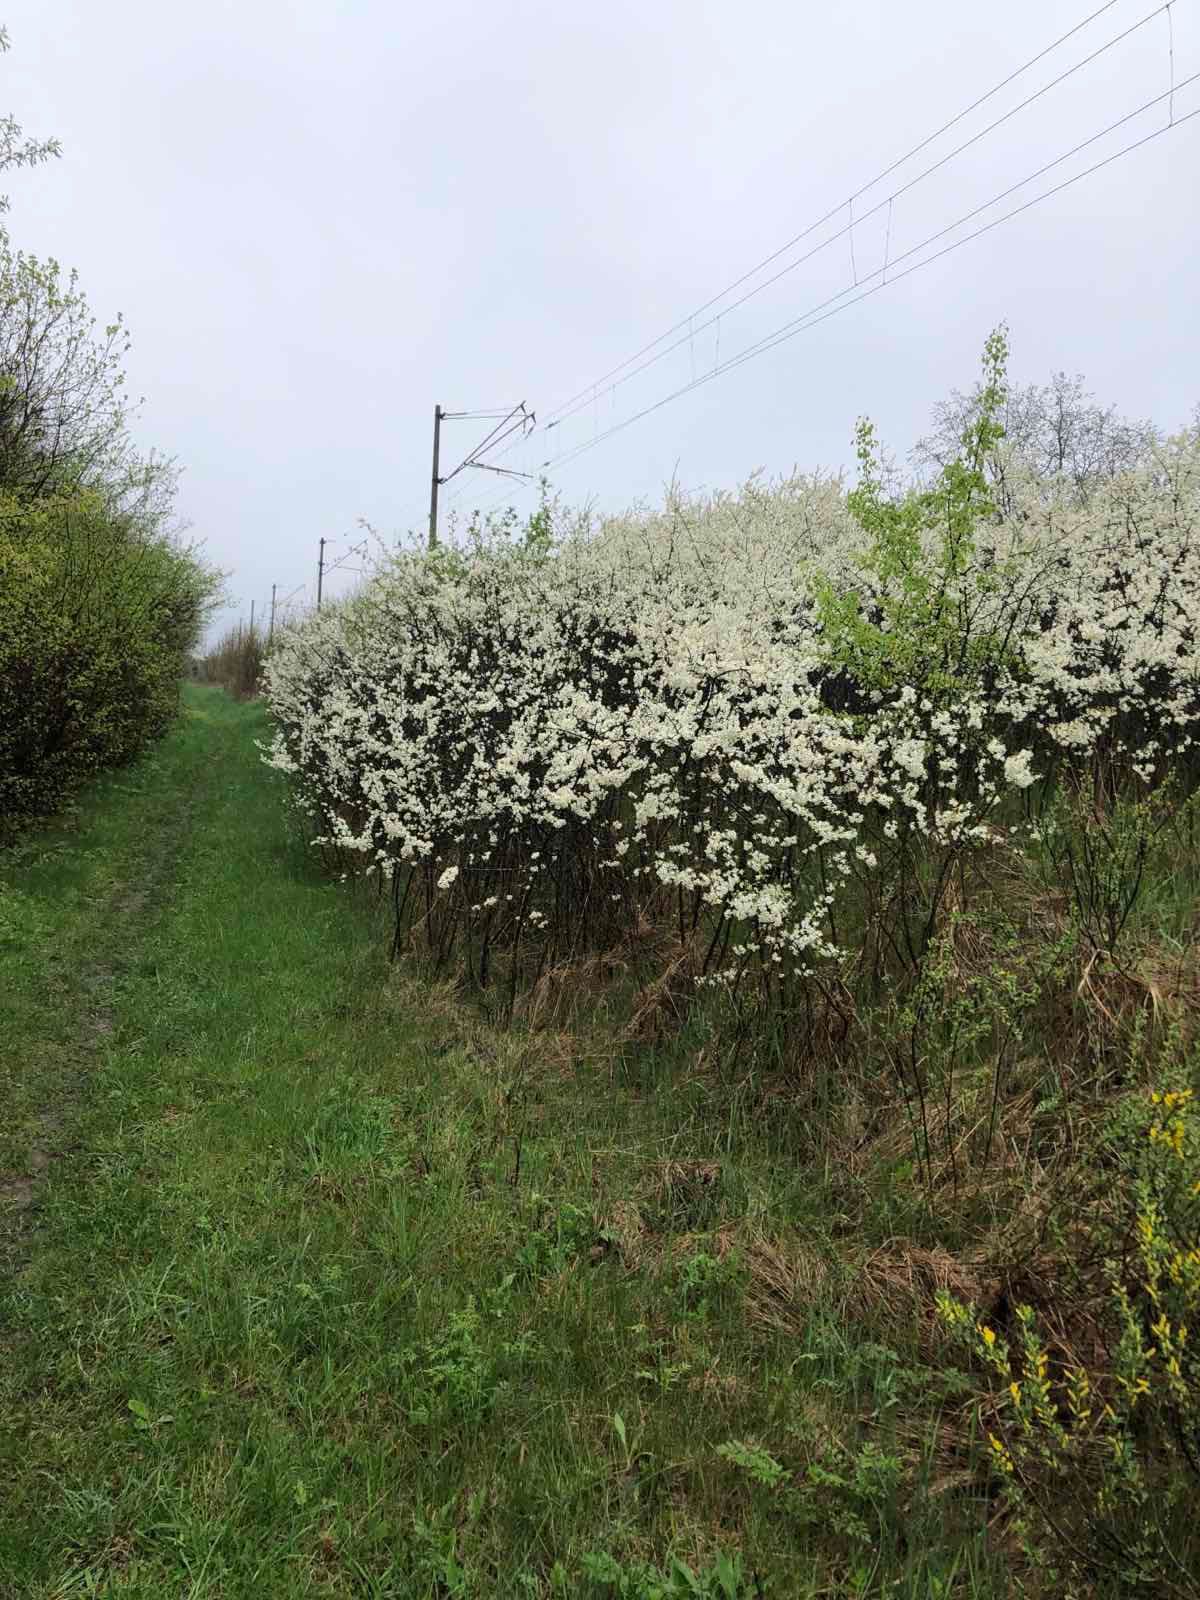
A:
[433,495]
[321,568]
[271,627]
[517,419]
[252,616]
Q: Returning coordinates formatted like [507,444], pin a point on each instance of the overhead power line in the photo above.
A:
[630,370]
[354,550]
[686,327]
[849,200]
[516,424]
[829,308]
[476,416]
[894,271]
[518,419]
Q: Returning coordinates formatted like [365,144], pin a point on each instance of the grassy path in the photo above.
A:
[310,1286]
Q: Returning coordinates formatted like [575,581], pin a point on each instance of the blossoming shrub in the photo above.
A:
[776,725]
[1098,1451]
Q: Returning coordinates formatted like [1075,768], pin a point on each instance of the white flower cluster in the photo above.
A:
[543,749]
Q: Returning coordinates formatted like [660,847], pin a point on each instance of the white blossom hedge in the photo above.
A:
[773,723]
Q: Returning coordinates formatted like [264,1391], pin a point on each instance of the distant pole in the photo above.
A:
[271,627]
[320,572]
[437,440]
[252,616]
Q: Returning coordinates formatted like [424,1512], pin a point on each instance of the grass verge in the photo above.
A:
[333,1291]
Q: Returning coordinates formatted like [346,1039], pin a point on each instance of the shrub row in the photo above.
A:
[873,787]
[777,722]
[235,661]
[100,603]
[96,621]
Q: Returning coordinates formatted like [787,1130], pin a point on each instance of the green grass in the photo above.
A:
[315,1286]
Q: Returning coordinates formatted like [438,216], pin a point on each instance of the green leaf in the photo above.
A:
[619,1430]
[680,1569]
[727,1570]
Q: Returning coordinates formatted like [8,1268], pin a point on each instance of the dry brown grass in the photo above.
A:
[899,1282]
[786,1279]
[892,1284]
[626,1227]
[1165,986]
[566,993]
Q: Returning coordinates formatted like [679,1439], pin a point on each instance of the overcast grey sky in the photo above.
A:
[320,219]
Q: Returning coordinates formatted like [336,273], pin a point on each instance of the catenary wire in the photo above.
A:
[820,313]
[829,307]
[842,204]
[848,229]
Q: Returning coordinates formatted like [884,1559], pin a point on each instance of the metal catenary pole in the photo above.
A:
[516,418]
[271,626]
[433,492]
[320,572]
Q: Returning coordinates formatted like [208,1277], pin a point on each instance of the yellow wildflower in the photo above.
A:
[1003,1460]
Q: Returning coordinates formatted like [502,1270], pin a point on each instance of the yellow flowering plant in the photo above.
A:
[1099,1459]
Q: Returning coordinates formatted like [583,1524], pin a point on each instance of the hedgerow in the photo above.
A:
[867,789]
[100,602]
[95,626]
[235,661]
[779,723]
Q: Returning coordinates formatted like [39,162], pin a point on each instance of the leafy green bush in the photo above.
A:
[96,620]
[100,602]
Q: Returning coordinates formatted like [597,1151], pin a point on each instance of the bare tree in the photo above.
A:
[1056,430]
